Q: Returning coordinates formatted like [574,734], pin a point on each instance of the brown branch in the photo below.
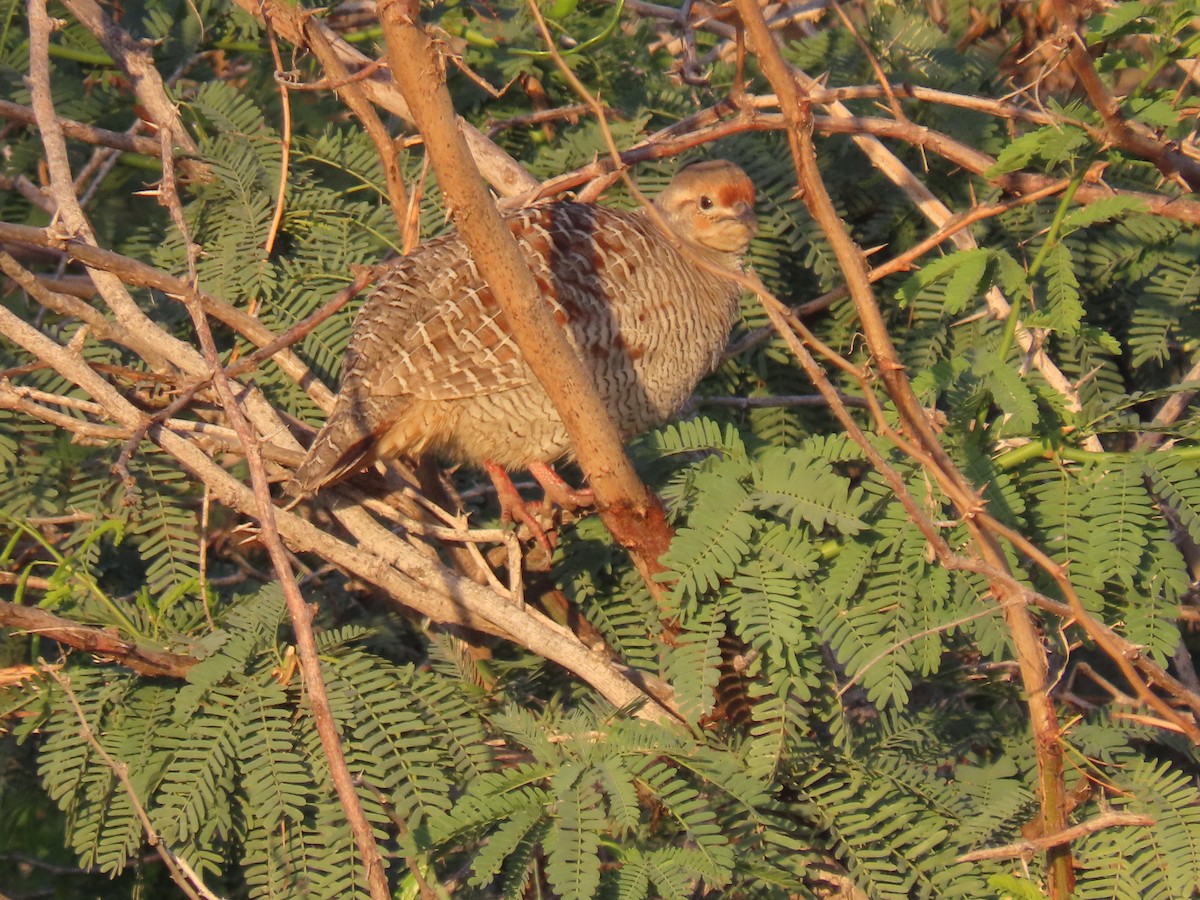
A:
[78,131]
[63,304]
[1026,849]
[285,140]
[406,837]
[1031,655]
[1129,136]
[670,142]
[30,191]
[356,99]
[248,364]
[785,401]
[570,113]
[940,215]
[1128,657]
[631,511]
[300,613]
[212,436]
[778,313]
[292,22]
[704,16]
[888,91]
[161,350]
[103,642]
[139,274]
[902,262]
[1001,109]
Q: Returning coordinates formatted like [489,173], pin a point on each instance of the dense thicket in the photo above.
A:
[849,696]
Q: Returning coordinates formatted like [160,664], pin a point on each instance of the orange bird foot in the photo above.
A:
[513,507]
[558,491]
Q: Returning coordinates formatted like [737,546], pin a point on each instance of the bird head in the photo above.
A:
[711,204]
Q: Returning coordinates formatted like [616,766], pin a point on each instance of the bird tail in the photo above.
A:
[343,446]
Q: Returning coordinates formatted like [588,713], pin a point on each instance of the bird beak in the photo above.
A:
[744,213]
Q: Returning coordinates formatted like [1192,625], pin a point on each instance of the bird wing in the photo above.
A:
[435,331]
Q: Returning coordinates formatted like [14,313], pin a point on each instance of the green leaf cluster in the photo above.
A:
[850,711]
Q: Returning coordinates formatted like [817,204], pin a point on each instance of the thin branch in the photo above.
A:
[190,884]
[978,163]
[31,192]
[356,99]
[211,435]
[888,91]
[570,113]
[161,350]
[940,215]
[906,261]
[138,274]
[1128,657]
[1030,651]
[285,140]
[64,304]
[887,651]
[784,401]
[103,642]
[89,134]
[1129,136]
[1026,849]
[713,124]
[300,613]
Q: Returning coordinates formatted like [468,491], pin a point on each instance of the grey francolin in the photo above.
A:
[432,367]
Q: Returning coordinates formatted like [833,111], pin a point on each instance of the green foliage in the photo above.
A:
[851,713]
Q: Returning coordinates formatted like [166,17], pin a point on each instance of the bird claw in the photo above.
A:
[558,491]
[513,507]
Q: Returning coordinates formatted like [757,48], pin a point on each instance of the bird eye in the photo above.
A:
[706,203]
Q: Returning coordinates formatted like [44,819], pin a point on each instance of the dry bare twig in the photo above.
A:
[1067,835]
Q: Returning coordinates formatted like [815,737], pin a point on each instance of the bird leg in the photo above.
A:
[513,507]
[558,491]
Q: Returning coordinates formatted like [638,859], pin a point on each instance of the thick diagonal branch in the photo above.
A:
[630,510]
